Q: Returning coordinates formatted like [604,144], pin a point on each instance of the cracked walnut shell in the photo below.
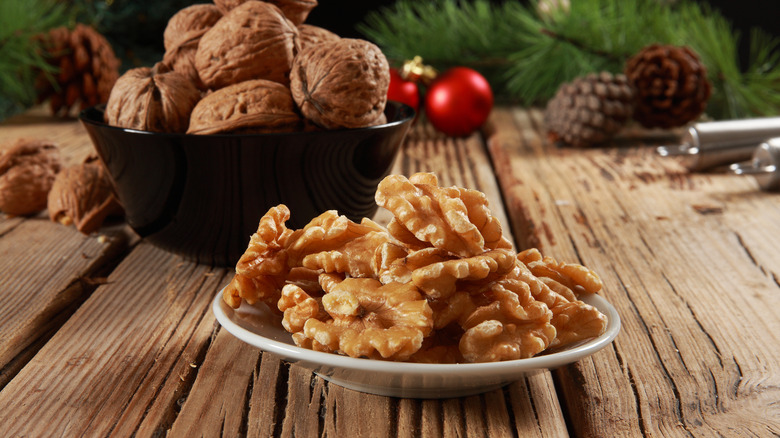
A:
[27,172]
[83,195]
[256,105]
[341,84]
[152,99]
[252,41]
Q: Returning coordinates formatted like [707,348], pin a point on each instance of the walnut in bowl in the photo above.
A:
[201,196]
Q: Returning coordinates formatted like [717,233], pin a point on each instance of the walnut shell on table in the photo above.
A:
[310,34]
[252,41]
[152,99]
[182,35]
[295,10]
[341,84]
[27,171]
[83,195]
[251,106]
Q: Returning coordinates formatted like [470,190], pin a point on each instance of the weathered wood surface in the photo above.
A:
[108,336]
[691,261]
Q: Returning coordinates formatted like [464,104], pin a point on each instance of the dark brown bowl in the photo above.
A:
[202,196]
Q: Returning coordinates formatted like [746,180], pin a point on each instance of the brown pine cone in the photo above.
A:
[86,69]
[671,86]
[589,110]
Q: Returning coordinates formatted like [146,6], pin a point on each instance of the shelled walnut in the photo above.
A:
[27,171]
[415,292]
[83,195]
[252,41]
[341,84]
[152,99]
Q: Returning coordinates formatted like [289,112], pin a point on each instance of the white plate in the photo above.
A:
[263,329]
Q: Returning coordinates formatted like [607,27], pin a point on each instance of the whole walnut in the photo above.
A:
[341,84]
[152,99]
[182,35]
[250,106]
[252,41]
[27,171]
[83,195]
[190,22]
[295,10]
[311,34]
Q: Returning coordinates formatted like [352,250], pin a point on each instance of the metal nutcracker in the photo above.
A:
[712,144]
[765,165]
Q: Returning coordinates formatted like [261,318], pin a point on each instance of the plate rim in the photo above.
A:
[292,353]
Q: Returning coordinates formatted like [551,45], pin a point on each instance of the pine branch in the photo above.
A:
[20,51]
[526,55]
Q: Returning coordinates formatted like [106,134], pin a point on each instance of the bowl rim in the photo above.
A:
[230,320]
[407,112]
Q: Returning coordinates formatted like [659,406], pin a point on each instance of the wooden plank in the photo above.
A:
[684,258]
[46,269]
[126,352]
[228,371]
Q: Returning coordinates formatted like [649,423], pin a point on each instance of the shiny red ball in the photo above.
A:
[459,101]
[403,91]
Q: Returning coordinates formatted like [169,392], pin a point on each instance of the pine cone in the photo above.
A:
[86,69]
[589,110]
[671,86]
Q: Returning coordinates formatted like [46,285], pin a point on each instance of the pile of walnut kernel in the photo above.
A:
[249,66]
[439,284]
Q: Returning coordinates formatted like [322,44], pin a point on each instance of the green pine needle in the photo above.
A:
[21,56]
[526,55]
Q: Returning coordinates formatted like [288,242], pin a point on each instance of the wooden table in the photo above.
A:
[108,335]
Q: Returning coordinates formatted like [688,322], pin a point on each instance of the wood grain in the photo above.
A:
[46,269]
[684,259]
[122,355]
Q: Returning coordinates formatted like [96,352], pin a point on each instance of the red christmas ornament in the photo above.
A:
[404,91]
[458,101]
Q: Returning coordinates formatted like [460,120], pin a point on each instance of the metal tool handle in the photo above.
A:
[711,144]
[764,166]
